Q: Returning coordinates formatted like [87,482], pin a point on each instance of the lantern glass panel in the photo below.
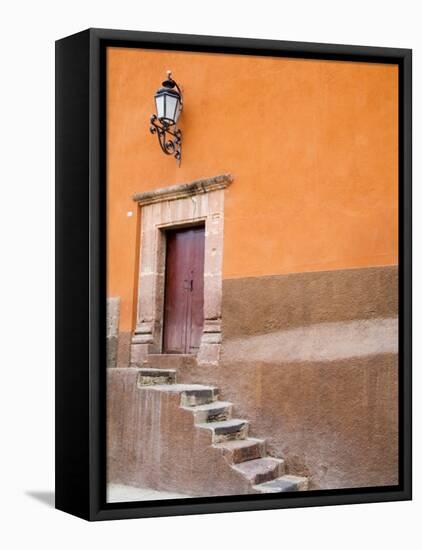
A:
[171,107]
[178,111]
[159,103]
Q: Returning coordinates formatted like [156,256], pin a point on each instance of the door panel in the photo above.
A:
[184,290]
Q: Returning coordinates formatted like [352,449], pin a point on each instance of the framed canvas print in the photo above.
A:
[233,274]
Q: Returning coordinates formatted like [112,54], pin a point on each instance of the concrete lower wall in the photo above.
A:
[310,359]
[113,316]
[123,349]
[335,422]
[257,305]
[152,442]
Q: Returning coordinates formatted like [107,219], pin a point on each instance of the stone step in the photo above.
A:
[149,377]
[169,361]
[226,429]
[283,484]
[198,395]
[241,450]
[190,394]
[261,470]
[211,412]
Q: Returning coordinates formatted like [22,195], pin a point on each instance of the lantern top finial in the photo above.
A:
[169,82]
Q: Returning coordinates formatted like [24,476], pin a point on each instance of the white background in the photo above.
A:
[27,37]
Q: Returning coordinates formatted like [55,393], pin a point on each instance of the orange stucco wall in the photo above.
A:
[312,146]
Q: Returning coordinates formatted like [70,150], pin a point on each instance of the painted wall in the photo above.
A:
[312,146]
[310,246]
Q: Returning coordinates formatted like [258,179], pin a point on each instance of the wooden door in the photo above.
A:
[184,290]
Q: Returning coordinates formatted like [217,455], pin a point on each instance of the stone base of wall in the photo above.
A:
[123,349]
[113,317]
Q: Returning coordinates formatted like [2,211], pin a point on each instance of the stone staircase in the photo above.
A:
[246,455]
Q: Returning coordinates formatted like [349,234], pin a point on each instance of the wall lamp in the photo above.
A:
[169,104]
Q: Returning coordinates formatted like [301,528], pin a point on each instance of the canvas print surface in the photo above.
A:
[252,293]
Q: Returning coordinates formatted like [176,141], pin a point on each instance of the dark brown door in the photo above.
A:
[184,290]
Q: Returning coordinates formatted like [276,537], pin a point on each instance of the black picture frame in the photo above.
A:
[80,273]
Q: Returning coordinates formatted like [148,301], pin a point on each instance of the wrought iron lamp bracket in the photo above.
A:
[169,137]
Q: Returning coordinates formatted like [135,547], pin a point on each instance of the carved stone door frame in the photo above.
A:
[170,208]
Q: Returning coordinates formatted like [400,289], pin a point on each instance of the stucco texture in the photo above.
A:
[259,305]
[312,147]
